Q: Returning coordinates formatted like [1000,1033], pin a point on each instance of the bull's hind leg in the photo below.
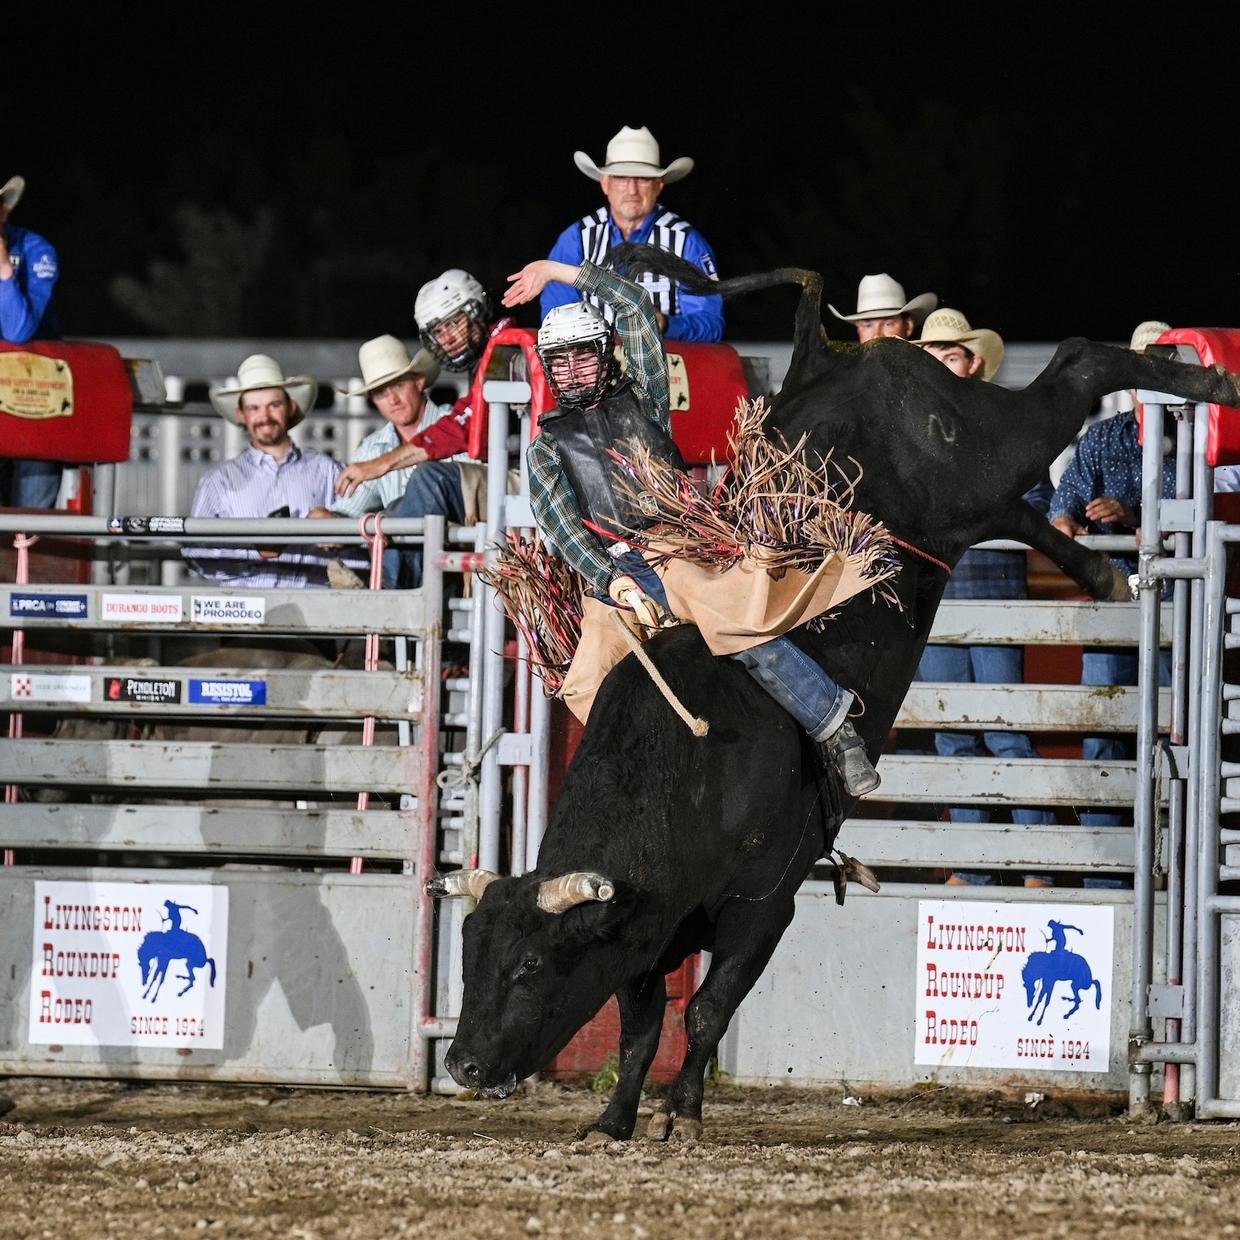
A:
[741,951]
[641,1021]
[1085,371]
[1091,570]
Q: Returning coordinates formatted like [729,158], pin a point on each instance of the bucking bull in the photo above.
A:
[662,844]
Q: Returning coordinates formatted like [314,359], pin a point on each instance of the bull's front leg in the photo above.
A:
[741,951]
[641,1021]
[1091,570]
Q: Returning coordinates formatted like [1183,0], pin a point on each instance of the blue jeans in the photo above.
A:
[983,665]
[29,484]
[785,671]
[434,489]
[1112,667]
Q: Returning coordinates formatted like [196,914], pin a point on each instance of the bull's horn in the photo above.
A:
[557,894]
[460,883]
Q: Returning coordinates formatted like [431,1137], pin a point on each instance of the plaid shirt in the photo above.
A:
[555,506]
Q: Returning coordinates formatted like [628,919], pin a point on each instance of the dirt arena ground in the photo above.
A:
[106,1159]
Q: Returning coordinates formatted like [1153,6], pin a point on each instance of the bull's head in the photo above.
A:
[541,956]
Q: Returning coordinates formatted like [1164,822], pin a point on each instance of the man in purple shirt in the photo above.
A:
[632,178]
[273,477]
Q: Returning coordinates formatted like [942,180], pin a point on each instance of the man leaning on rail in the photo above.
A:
[453,314]
[272,477]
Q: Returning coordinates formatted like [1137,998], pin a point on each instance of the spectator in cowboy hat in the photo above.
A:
[966,351]
[272,477]
[28,273]
[883,310]
[632,177]
[976,354]
[397,384]
[376,480]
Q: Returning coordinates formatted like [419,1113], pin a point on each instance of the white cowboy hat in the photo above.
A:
[386,358]
[261,371]
[12,190]
[1146,334]
[951,327]
[633,153]
[881,297]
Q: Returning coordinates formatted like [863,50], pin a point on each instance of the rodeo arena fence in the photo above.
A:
[221,804]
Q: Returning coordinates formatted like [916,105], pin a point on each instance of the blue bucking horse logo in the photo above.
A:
[161,947]
[1044,970]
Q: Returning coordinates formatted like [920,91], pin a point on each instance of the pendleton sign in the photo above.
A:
[34,387]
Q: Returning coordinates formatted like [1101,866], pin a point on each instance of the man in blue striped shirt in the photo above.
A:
[272,477]
[632,178]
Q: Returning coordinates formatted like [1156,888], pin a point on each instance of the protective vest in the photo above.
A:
[583,440]
[669,232]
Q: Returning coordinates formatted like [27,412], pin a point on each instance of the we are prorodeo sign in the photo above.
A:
[129,964]
[1022,985]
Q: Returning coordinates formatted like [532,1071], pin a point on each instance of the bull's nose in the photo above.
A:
[465,1069]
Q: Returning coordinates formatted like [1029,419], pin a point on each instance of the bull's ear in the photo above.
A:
[595,920]
[460,883]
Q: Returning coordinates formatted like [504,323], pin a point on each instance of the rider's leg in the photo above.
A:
[817,703]
[798,684]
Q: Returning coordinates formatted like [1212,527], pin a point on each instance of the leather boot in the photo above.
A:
[845,750]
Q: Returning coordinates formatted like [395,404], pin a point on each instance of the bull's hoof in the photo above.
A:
[687,1130]
[1121,590]
[594,1136]
[660,1127]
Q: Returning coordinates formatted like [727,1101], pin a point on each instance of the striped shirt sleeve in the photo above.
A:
[639,334]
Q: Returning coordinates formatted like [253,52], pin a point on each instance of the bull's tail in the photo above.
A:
[631,260]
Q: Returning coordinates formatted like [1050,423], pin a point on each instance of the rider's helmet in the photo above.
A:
[452,312]
[577,349]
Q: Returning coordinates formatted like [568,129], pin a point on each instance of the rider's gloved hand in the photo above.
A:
[627,593]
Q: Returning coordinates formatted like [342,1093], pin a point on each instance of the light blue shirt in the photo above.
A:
[255,484]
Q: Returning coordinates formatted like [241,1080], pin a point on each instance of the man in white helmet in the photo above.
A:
[632,177]
[579,507]
[453,317]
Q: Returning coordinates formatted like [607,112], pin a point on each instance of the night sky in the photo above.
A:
[308,188]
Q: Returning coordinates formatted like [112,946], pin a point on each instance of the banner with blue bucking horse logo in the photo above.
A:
[1021,985]
[129,964]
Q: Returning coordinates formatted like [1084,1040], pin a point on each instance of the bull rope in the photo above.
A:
[699,727]
[21,544]
[375,542]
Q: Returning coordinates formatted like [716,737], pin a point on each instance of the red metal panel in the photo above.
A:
[97,429]
[706,382]
[1214,345]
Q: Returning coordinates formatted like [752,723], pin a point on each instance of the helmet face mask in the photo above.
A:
[452,313]
[577,351]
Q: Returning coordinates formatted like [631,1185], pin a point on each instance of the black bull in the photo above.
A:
[662,844]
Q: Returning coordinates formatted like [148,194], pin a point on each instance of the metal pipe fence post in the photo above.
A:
[1203,493]
[1184,476]
[493,643]
[428,794]
[1207,860]
[1145,812]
